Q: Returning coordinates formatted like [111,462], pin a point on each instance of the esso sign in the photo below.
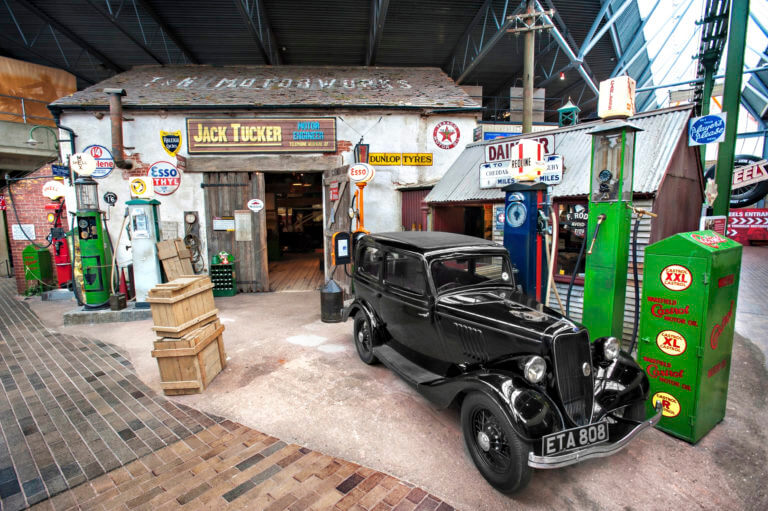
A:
[166,178]
[255,205]
[361,173]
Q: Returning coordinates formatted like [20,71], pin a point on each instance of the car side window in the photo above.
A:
[405,271]
[370,261]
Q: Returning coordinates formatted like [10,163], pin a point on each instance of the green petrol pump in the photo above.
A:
[610,211]
[92,239]
[687,317]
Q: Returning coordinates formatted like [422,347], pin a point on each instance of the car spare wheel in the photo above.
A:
[746,195]
[499,453]
[364,338]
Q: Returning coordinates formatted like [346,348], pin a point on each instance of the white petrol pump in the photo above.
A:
[144,229]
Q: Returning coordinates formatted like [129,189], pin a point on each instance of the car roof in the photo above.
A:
[429,241]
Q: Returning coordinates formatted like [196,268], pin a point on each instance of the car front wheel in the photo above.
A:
[498,452]
[363,333]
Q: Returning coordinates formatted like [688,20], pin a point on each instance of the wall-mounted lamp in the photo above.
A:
[33,142]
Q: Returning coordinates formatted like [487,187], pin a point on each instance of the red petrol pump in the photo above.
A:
[60,245]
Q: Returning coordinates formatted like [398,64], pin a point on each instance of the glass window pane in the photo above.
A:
[370,262]
[405,271]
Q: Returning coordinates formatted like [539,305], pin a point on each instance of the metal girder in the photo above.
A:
[116,23]
[635,37]
[590,42]
[378,17]
[46,58]
[260,29]
[596,23]
[615,39]
[580,66]
[69,34]
[473,47]
[734,69]
[160,22]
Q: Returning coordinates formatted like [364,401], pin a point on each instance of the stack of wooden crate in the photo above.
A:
[190,349]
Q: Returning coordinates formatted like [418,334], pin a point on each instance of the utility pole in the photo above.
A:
[528,23]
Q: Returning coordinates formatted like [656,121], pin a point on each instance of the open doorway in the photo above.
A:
[294,205]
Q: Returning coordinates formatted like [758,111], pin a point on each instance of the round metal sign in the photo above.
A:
[54,189]
[166,178]
[105,164]
[83,164]
[110,198]
[361,173]
[255,205]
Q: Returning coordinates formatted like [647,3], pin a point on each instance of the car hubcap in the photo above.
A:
[491,440]
[484,441]
[363,339]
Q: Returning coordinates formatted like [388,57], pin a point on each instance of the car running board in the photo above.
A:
[410,372]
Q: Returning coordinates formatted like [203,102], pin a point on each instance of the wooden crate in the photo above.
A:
[188,364]
[182,305]
[175,258]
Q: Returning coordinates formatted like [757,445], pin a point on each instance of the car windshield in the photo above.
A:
[471,270]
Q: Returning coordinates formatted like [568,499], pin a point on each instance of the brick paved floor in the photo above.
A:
[79,429]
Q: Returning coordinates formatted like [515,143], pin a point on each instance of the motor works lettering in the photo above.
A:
[267,135]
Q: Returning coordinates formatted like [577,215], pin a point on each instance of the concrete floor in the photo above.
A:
[294,377]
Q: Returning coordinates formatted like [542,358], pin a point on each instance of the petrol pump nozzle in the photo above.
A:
[597,229]
[641,212]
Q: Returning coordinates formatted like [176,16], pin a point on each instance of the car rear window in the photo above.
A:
[471,269]
[405,271]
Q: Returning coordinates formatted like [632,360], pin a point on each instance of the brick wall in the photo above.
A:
[30,206]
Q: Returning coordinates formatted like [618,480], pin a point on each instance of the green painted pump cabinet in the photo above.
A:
[690,286]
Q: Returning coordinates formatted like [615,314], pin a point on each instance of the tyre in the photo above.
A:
[363,333]
[498,452]
[746,195]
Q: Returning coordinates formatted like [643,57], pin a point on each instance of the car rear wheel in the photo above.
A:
[363,333]
[498,452]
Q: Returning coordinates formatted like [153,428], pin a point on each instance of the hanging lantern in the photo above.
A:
[361,153]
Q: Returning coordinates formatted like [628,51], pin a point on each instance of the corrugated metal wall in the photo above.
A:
[411,210]
[577,296]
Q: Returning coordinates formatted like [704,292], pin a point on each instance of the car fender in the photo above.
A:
[627,373]
[530,412]
[361,305]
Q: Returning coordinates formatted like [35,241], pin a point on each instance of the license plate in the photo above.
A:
[575,438]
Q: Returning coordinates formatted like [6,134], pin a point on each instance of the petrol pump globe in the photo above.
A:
[86,192]
[608,231]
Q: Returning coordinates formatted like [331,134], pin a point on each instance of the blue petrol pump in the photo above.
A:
[524,231]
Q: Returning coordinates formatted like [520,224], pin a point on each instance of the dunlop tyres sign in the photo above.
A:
[389,159]
[265,135]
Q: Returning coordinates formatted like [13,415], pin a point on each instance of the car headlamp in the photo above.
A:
[535,369]
[611,348]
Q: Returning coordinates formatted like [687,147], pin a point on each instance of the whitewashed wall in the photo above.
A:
[391,132]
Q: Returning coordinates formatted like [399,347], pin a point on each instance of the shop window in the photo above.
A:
[370,262]
[572,226]
[405,271]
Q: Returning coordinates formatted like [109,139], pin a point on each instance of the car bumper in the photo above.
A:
[595,451]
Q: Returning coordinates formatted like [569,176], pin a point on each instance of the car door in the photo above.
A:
[405,305]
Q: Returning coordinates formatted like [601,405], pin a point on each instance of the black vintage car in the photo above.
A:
[443,311]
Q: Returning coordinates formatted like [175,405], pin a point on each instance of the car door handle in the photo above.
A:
[423,314]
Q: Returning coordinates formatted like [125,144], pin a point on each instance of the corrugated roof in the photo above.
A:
[277,86]
[655,145]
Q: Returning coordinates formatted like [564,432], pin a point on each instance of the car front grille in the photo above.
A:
[569,353]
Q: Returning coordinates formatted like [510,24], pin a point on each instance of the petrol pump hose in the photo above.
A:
[639,212]
[114,254]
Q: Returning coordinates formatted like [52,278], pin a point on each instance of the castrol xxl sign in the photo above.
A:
[504,151]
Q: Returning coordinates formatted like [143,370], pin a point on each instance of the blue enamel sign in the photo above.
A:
[706,129]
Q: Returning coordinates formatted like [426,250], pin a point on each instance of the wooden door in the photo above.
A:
[335,219]
[226,196]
